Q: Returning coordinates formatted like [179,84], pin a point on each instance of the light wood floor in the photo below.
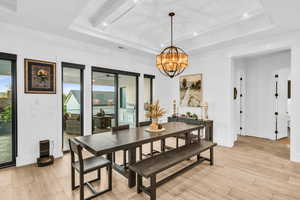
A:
[255,169]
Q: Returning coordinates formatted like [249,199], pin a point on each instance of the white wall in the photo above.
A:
[215,91]
[259,100]
[217,68]
[39,115]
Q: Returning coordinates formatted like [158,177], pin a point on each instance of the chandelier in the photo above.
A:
[172,61]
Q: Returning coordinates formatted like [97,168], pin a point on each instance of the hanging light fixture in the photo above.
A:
[172,61]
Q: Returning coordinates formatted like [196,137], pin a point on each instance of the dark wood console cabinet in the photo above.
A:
[208,124]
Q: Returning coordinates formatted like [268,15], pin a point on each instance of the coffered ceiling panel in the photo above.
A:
[145,24]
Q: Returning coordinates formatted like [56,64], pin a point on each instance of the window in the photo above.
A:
[8,129]
[114,99]
[72,76]
[103,101]
[123,97]
[127,111]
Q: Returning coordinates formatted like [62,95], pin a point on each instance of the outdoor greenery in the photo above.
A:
[6,115]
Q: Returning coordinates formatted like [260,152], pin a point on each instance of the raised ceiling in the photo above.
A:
[144,25]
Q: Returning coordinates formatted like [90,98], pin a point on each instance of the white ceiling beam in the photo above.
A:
[10,5]
[111,11]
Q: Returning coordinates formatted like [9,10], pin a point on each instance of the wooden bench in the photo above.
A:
[150,167]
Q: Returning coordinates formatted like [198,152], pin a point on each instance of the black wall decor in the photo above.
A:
[276,106]
[289,89]
[241,105]
[234,93]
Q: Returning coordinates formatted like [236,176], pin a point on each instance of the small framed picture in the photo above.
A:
[40,77]
[235,92]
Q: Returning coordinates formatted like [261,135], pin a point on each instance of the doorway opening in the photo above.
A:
[261,99]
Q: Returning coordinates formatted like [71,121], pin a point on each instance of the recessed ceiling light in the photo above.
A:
[104,24]
[245,15]
[195,33]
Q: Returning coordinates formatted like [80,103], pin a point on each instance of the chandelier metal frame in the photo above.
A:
[172,61]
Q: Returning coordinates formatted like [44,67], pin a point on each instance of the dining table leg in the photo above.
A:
[131,161]
[109,157]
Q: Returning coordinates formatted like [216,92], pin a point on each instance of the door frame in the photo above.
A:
[151,77]
[117,73]
[81,68]
[13,59]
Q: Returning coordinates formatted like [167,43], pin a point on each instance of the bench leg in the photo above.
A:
[141,152]
[153,187]
[139,183]
[212,156]
[73,178]
[98,174]
[163,145]
[125,158]
[81,183]
[109,177]
[114,157]
[151,149]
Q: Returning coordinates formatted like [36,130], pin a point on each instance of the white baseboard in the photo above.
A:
[295,157]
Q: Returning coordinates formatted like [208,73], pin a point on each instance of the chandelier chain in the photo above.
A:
[171,30]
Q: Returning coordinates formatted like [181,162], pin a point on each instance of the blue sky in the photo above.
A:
[72,86]
[5,82]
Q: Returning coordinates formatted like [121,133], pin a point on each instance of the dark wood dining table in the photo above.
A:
[108,142]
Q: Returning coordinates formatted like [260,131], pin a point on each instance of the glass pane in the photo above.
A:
[6,119]
[71,104]
[103,102]
[127,100]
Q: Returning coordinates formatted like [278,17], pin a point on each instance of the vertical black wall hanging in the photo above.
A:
[241,105]
[289,89]
[276,106]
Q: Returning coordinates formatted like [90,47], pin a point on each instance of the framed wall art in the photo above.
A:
[40,77]
[191,91]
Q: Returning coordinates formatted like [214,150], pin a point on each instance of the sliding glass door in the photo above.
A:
[103,101]
[114,99]
[7,109]
[127,107]
[72,102]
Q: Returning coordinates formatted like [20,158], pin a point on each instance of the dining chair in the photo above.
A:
[87,165]
[119,128]
[152,150]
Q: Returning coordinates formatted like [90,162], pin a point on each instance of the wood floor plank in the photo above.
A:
[253,169]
